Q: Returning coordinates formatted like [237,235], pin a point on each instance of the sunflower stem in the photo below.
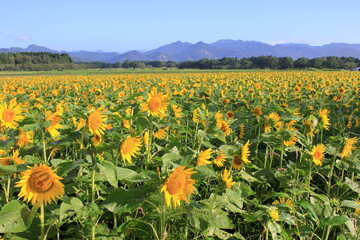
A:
[44,147]
[162,219]
[42,221]
[7,192]
[281,157]
[93,185]
[93,200]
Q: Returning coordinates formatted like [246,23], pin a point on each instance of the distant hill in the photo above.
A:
[182,51]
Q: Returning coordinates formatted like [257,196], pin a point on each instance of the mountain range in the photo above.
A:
[183,51]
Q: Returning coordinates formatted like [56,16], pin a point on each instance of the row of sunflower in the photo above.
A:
[251,155]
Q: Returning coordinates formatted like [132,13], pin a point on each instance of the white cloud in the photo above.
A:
[23,38]
[277,42]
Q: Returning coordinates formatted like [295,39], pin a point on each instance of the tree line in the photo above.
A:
[33,61]
[42,61]
[271,62]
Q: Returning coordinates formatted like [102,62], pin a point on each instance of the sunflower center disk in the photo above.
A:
[154,104]
[8,116]
[176,184]
[40,182]
[237,160]
[317,155]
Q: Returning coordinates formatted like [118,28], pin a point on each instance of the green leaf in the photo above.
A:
[274,229]
[169,161]
[334,220]
[144,176]
[71,205]
[127,199]
[308,207]
[63,167]
[353,185]
[248,177]
[7,169]
[16,217]
[204,171]
[125,173]
[108,168]
[350,204]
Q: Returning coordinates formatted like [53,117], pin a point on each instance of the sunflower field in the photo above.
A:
[214,155]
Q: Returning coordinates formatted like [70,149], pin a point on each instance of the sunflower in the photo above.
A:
[177,111]
[55,123]
[204,157]
[161,133]
[179,186]
[40,184]
[13,159]
[274,213]
[282,200]
[274,116]
[25,138]
[130,148]
[195,117]
[156,104]
[348,147]
[309,127]
[96,140]
[79,125]
[230,115]
[241,130]
[96,121]
[10,115]
[324,114]
[291,138]
[126,123]
[224,126]
[257,111]
[245,152]
[317,154]
[228,180]
[237,163]
[220,159]
[146,139]
[357,211]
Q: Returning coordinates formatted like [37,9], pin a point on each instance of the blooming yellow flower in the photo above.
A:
[156,104]
[220,159]
[25,138]
[245,152]
[96,140]
[13,159]
[130,148]
[179,186]
[96,121]
[55,123]
[348,147]
[274,213]
[228,180]
[241,130]
[10,115]
[177,111]
[204,157]
[318,154]
[146,139]
[40,184]
[257,111]
[324,114]
[161,133]
[357,211]
[288,202]
[224,126]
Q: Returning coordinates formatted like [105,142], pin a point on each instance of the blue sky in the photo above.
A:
[123,25]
